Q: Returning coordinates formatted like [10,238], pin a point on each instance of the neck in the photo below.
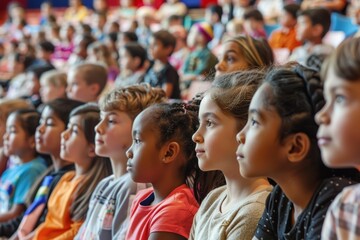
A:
[83,168]
[58,162]
[162,61]
[316,41]
[27,156]
[119,166]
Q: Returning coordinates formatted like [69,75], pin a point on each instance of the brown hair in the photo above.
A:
[132,99]
[344,61]
[257,52]
[233,93]
[55,78]
[92,74]
[8,106]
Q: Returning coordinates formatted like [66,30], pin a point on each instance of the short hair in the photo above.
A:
[253,14]
[132,99]
[130,35]
[28,119]
[320,16]
[215,9]
[38,71]
[92,73]
[55,78]
[292,9]
[8,106]
[166,38]
[47,46]
[136,50]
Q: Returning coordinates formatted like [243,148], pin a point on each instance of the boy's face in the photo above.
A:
[287,20]
[78,89]
[113,134]
[127,62]
[49,92]
[157,49]
[339,132]
[304,29]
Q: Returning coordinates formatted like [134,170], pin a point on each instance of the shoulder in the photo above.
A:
[349,196]
[331,187]
[213,199]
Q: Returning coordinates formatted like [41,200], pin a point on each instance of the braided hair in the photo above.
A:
[297,95]
[178,122]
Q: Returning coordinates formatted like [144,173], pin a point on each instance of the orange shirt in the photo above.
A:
[284,39]
[58,223]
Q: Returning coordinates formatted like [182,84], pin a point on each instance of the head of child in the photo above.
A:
[8,106]
[126,37]
[99,52]
[132,57]
[282,112]
[145,16]
[19,137]
[78,146]
[200,35]
[86,82]
[46,9]
[162,45]
[253,21]
[67,32]
[19,62]
[53,121]
[100,20]
[288,17]
[118,111]
[242,53]
[213,14]
[45,50]
[100,6]
[223,113]
[235,27]
[53,85]
[32,84]
[81,46]
[312,25]
[162,149]
[180,34]
[174,20]
[338,136]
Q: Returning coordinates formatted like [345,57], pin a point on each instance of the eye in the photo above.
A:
[209,123]
[137,140]
[253,122]
[229,59]
[339,98]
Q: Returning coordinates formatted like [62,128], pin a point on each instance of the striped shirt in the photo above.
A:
[343,217]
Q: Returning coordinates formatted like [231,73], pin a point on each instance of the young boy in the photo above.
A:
[201,61]
[312,26]
[254,23]
[339,136]
[107,217]
[161,73]
[213,15]
[285,37]
[86,82]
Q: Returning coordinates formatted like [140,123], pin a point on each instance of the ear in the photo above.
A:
[169,50]
[91,150]
[318,29]
[137,61]
[32,142]
[95,89]
[298,147]
[171,151]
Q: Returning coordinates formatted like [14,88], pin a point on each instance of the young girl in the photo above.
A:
[163,154]
[339,136]
[53,122]
[243,53]
[231,211]
[108,215]
[279,141]
[15,182]
[53,85]
[68,204]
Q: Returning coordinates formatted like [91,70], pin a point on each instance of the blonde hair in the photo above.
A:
[132,99]
[55,78]
[101,50]
[8,106]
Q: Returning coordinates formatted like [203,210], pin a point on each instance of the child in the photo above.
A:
[86,82]
[213,15]
[285,37]
[243,52]
[8,106]
[107,217]
[312,26]
[338,136]
[181,50]
[163,154]
[15,182]
[145,17]
[133,58]
[234,28]
[68,204]
[279,142]
[53,122]
[162,74]
[80,52]
[231,211]
[201,61]
[254,23]
[53,85]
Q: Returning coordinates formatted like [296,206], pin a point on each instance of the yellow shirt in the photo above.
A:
[76,16]
[58,224]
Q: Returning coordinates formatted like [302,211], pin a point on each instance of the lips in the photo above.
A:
[199,152]
[323,140]
[99,141]
[128,166]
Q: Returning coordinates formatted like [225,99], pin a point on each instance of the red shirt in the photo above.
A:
[174,214]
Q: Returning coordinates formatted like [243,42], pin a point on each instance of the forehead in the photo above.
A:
[48,113]
[262,98]
[76,120]
[208,105]
[303,19]
[334,81]
[231,47]
[13,119]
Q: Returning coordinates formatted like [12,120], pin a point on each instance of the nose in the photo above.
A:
[240,137]
[40,128]
[98,128]
[65,134]
[196,137]
[322,116]
[6,136]
[219,67]
[129,153]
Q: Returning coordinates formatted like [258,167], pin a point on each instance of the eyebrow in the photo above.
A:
[256,112]
[209,114]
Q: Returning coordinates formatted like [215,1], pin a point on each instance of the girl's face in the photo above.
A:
[16,140]
[49,92]
[145,156]
[215,138]
[230,60]
[74,145]
[339,134]
[48,133]
[127,62]
[260,152]
[113,134]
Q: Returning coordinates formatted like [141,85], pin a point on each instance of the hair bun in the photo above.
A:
[313,87]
